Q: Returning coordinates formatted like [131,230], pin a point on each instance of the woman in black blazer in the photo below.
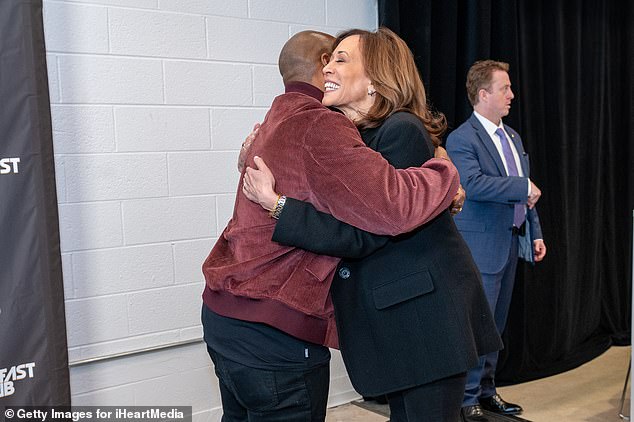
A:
[411,313]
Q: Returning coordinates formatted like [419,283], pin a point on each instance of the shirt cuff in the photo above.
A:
[529,186]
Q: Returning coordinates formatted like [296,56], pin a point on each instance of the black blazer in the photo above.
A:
[409,309]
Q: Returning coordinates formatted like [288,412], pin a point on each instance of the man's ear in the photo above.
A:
[325,58]
[482,94]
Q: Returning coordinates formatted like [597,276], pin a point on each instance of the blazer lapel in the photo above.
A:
[488,143]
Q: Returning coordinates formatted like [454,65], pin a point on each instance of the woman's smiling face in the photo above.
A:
[346,82]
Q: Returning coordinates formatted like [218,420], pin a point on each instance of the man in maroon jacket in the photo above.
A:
[267,314]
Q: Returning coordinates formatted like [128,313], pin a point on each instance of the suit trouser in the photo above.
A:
[498,289]
[436,401]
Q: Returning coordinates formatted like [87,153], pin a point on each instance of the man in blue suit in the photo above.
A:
[499,217]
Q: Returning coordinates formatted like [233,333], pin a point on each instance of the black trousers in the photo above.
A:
[437,401]
[258,395]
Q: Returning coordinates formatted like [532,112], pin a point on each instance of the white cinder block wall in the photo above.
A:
[150,101]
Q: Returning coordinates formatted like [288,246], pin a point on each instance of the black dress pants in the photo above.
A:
[437,401]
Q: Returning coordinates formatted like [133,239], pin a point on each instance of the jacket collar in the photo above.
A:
[488,143]
[304,88]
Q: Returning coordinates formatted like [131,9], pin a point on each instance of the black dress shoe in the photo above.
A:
[379,399]
[473,414]
[496,404]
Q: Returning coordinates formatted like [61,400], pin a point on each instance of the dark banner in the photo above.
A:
[33,351]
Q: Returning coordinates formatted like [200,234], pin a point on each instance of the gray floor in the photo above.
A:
[590,393]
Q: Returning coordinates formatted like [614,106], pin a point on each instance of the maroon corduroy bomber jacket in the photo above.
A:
[316,155]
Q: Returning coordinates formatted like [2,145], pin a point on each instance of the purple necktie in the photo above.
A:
[519,215]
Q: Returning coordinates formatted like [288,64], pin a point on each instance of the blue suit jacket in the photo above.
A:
[486,219]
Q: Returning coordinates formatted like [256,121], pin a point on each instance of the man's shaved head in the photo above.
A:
[301,57]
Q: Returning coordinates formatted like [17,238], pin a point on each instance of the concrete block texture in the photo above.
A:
[96,319]
[240,40]
[267,85]
[143,4]
[60,179]
[53,78]
[132,370]
[224,204]
[199,392]
[110,80]
[234,8]
[230,126]
[159,34]
[167,308]
[125,345]
[202,83]
[352,14]
[83,129]
[168,219]
[188,258]
[115,176]
[67,271]
[86,28]
[119,270]
[162,129]
[90,225]
[116,396]
[309,12]
[192,173]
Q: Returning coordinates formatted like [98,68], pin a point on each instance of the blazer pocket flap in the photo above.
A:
[470,226]
[402,289]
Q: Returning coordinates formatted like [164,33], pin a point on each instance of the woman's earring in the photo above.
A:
[371,91]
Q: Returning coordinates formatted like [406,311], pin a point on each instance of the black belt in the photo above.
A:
[520,231]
